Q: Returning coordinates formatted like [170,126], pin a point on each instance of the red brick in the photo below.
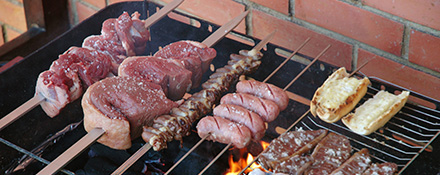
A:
[2,41]
[216,11]
[12,15]
[291,36]
[278,5]
[399,74]
[423,12]
[116,1]
[97,3]
[84,11]
[11,34]
[352,22]
[424,50]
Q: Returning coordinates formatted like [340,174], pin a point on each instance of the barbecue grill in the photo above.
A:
[407,140]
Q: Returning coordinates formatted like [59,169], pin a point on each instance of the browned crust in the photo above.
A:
[333,115]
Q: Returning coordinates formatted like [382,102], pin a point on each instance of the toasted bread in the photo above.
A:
[375,112]
[338,96]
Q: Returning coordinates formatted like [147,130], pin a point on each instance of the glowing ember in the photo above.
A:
[236,167]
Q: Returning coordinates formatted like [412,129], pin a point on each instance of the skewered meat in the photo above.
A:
[176,125]
[58,90]
[120,37]
[224,131]
[243,116]
[356,164]
[192,55]
[290,144]
[264,90]
[268,110]
[295,165]
[121,106]
[329,154]
[386,168]
[174,80]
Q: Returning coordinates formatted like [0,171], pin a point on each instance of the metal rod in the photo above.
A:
[216,157]
[287,59]
[127,164]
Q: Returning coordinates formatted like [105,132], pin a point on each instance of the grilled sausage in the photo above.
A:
[241,115]
[268,110]
[224,131]
[264,90]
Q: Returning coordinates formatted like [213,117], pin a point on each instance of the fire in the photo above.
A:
[236,167]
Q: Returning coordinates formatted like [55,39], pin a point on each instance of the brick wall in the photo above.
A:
[12,20]
[402,38]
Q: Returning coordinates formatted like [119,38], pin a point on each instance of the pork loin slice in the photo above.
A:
[121,106]
[58,90]
[268,110]
[295,165]
[195,57]
[356,164]
[264,90]
[241,115]
[174,80]
[329,154]
[224,131]
[290,144]
[386,168]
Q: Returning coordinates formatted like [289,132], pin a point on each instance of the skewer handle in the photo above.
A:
[21,110]
[224,29]
[162,12]
[216,157]
[72,152]
[127,164]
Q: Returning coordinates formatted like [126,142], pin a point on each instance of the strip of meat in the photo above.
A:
[295,165]
[174,80]
[167,128]
[58,90]
[224,131]
[288,145]
[329,154]
[268,110]
[243,116]
[264,90]
[386,168]
[356,164]
[194,56]
[121,106]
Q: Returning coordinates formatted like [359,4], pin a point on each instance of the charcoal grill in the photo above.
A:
[416,123]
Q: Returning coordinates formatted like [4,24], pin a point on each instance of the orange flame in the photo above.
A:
[236,167]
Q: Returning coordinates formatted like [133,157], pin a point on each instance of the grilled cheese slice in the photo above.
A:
[338,96]
[375,112]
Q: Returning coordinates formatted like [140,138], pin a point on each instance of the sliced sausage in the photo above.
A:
[268,110]
[224,131]
[241,115]
[264,90]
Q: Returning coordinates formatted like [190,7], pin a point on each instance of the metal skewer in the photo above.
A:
[296,122]
[37,99]
[258,47]
[302,72]
[210,41]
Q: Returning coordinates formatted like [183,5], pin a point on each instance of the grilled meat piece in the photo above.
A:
[295,165]
[121,106]
[386,168]
[356,164]
[288,145]
[243,116]
[264,90]
[268,110]
[224,131]
[329,154]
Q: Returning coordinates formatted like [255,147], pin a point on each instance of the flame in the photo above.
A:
[236,167]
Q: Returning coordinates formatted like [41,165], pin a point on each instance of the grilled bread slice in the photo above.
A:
[338,96]
[375,112]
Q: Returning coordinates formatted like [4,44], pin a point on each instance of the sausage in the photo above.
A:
[241,115]
[268,110]
[264,90]
[224,131]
